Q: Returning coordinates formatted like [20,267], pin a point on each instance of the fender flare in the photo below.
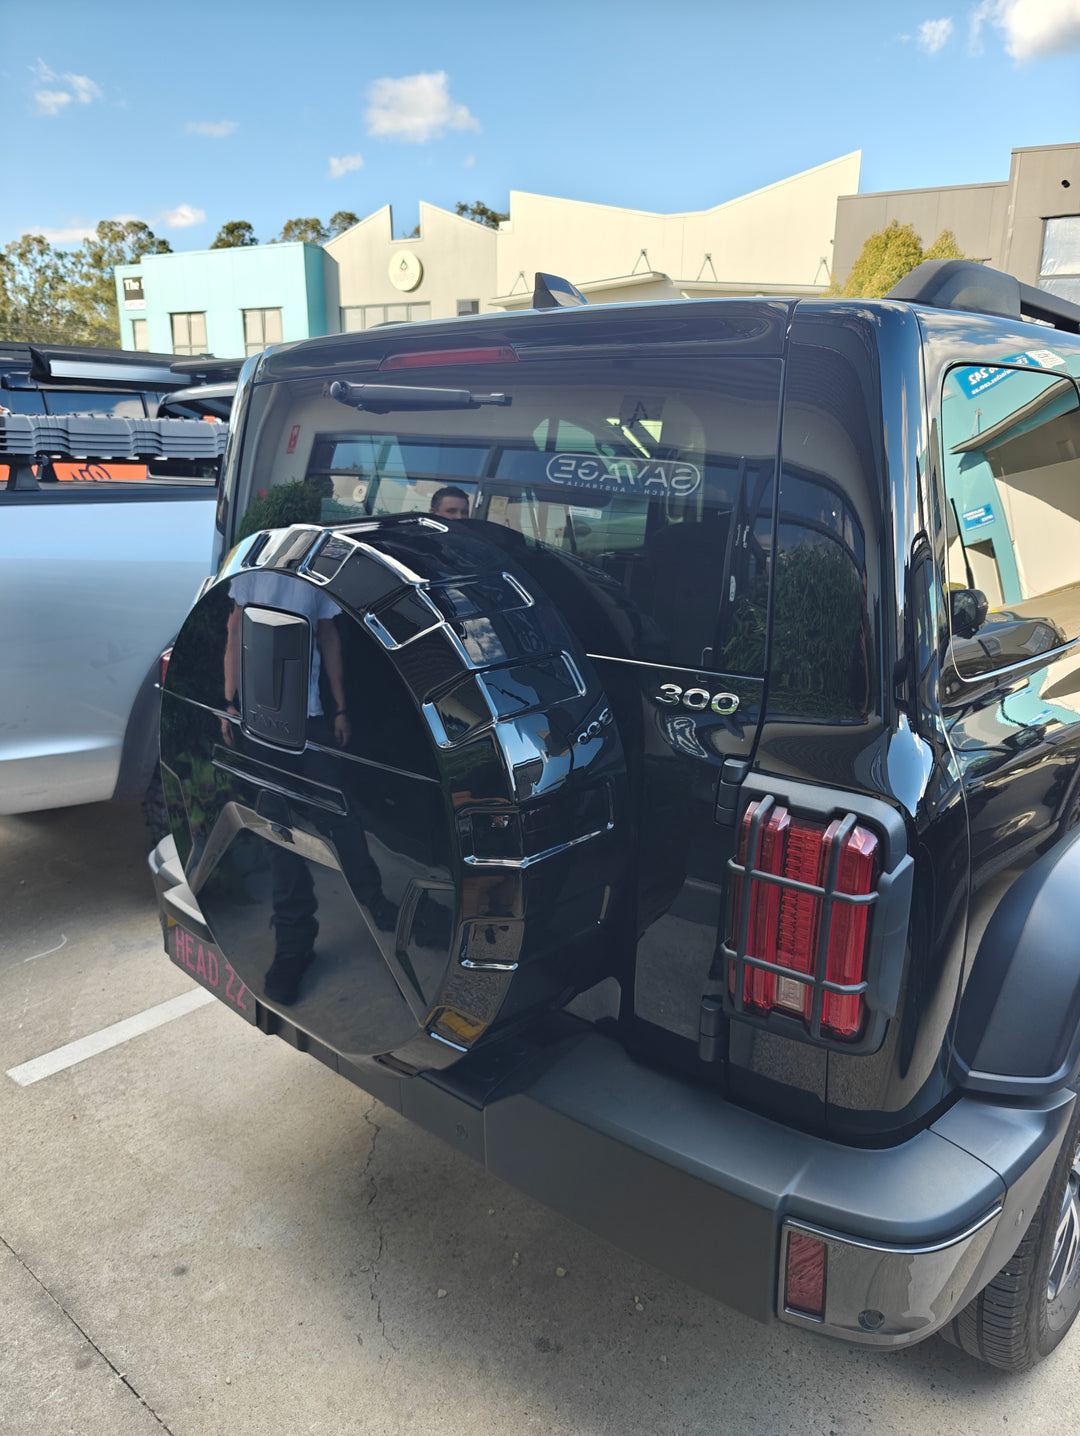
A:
[1018,1031]
[140,754]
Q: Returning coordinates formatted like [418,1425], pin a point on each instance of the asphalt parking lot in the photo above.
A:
[202,1230]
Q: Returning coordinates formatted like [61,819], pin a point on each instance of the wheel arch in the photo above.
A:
[1018,1029]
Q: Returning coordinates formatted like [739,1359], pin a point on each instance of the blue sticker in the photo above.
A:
[978,518]
[976,381]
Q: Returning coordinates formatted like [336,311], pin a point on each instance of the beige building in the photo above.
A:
[446,270]
[776,240]
[1021,225]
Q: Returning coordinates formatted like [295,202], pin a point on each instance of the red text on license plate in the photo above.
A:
[213,971]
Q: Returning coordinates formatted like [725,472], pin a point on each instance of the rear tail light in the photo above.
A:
[165,663]
[802,938]
[804,1275]
[437,358]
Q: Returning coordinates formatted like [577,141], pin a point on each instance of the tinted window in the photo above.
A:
[1011,440]
[88,401]
[22,401]
[639,491]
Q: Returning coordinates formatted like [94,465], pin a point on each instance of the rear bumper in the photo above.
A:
[710,1192]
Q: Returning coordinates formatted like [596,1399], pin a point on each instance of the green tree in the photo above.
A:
[310,230]
[945,247]
[60,296]
[35,293]
[236,234]
[479,213]
[93,286]
[342,220]
[888,255]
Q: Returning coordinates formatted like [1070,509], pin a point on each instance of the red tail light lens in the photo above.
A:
[804,1276]
[438,358]
[785,920]
[857,874]
[165,663]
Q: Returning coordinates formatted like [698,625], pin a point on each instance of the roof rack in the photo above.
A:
[91,436]
[207,370]
[963,284]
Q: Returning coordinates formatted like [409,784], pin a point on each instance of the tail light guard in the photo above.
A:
[817,915]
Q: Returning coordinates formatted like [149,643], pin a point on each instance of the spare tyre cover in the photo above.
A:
[442,857]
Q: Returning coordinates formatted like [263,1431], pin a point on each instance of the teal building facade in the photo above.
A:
[227,302]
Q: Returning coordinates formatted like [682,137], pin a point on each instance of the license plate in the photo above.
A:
[207,965]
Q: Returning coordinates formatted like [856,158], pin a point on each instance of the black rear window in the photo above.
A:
[638,491]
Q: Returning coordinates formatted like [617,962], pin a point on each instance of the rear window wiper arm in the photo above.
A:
[382,398]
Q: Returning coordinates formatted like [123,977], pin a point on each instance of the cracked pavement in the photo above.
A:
[204,1231]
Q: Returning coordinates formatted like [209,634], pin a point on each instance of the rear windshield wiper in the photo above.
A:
[382,398]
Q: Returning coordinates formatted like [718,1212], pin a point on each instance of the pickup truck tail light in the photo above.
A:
[801,919]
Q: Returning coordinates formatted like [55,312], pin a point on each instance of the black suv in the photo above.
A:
[642,746]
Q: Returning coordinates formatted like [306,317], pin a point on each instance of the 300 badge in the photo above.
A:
[698,699]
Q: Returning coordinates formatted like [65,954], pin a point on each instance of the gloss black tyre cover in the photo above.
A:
[449,855]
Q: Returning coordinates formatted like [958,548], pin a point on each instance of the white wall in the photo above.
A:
[457,254]
[775,236]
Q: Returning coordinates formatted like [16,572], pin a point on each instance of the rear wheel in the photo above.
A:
[1033,1301]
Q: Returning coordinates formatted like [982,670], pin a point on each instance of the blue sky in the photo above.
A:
[190,115]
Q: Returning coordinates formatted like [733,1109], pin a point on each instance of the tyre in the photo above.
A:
[1032,1302]
[442,854]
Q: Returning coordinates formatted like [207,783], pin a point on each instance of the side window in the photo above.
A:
[89,401]
[1011,461]
[189,333]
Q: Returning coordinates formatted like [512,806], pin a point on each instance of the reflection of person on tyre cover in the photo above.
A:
[292,887]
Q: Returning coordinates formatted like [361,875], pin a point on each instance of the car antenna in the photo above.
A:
[550,291]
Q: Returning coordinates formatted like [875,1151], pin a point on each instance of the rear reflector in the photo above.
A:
[814,867]
[804,1276]
[438,358]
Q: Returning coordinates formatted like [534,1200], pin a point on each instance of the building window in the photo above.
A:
[1059,271]
[189,333]
[468,306]
[261,327]
[140,337]
[366,316]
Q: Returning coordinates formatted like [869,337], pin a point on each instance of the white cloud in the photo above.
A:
[75,235]
[342,165]
[1029,28]
[83,88]
[933,34]
[415,108]
[77,87]
[51,102]
[182,217]
[468,162]
[213,129]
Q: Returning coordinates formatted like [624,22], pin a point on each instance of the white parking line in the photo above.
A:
[73,1052]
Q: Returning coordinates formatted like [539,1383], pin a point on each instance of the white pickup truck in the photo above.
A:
[103,544]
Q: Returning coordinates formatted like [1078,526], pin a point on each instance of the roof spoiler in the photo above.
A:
[963,284]
[551,291]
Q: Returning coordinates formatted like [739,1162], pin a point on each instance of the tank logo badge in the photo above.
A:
[697,699]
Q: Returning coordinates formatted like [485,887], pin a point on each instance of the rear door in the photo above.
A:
[639,495]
